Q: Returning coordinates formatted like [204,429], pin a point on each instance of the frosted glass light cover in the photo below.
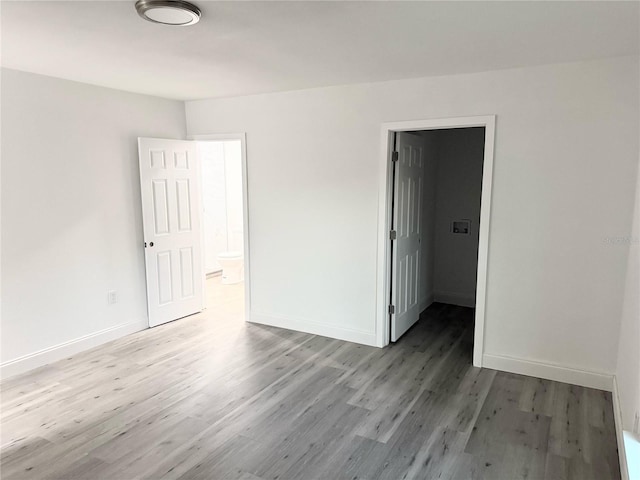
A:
[170,16]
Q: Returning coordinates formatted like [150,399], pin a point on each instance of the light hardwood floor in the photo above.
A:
[211,397]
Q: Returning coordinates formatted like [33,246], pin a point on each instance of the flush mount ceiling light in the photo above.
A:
[168,12]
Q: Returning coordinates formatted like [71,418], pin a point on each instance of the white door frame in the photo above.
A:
[384,220]
[245,208]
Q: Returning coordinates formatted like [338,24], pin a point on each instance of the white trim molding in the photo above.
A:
[384,220]
[617,416]
[315,328]
[455,298]
[426,302]
[67,349]
[549,371]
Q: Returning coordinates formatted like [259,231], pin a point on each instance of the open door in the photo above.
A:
[171,222]
[407,214]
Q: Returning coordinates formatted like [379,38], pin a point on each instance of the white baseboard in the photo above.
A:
[617,416]
[67,349]
[307,326]
[548,371]
[425,302]
[453,298]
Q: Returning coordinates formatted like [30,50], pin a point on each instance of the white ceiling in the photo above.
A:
[241,48]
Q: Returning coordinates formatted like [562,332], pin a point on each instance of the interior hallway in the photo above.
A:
[211,397]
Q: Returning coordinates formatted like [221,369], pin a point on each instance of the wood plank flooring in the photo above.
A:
[210,397]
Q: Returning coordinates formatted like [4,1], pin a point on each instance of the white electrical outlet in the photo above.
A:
[112,297]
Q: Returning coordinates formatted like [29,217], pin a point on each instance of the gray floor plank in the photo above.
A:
[212,397]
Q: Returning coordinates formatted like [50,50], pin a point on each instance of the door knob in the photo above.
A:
[151,244]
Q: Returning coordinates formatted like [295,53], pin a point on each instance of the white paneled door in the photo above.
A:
[172,236]
[407,214]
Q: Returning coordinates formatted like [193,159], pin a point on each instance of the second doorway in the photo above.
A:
[436,193]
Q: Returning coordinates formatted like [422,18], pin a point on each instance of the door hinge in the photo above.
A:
[394,156]
[392,309]
[393,235]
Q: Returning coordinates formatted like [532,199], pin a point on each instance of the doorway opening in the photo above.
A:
[196,226]
[434,224]
[221,176]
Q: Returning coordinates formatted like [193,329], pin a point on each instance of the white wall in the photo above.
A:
[565,159]
[428,220]
[71,215]
[460,156]
[221,163]
[214,205]
[628,369]
[233,189]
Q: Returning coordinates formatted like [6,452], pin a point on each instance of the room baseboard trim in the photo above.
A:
[426,302]
[307,326]
[617,416]
[549,371]
[453,298]
[67,349]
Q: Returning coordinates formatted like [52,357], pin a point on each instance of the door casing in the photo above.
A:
[385,189]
